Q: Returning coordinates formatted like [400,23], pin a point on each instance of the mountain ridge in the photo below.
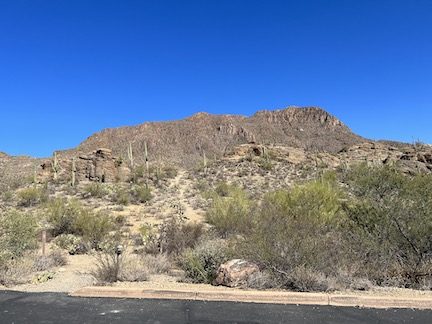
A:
[184,142]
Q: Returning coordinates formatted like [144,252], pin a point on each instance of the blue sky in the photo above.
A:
[71,68]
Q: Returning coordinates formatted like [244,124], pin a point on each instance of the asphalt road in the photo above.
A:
[18,307]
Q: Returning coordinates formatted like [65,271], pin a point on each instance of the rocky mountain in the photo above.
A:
[185,142]
[297,136]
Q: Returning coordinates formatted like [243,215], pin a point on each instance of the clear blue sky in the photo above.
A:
[71,68]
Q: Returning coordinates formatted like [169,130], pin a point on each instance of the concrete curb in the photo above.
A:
[271,297]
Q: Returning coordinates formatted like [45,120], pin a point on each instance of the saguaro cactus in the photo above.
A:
[55,166]
[130,155]
[131,162]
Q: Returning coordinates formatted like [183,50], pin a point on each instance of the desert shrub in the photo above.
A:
[265,164]
[18,234]
[201,185]
[201,263]
[95,189]
[175,235]
[93,227]
[7,195]
[223,189]
[296,228]
[147,236]
[86,227]
[54,259]
[304,279]
[17,271]
[121,196]
[32,196]
[142,194]
[120,220]
[61,214]
[231,215]
[157,263]
[108,266]
[139,171]
[71,243]
[169,172]
[389,224]
[133,269]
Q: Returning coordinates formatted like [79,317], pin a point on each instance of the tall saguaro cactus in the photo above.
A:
[130,155]
[55,166]
[131,162]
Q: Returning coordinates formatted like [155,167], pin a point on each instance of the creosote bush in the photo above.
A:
[18,234]
[95,189]
[78,228]
[142,194]
[231,214]
[296,232]
[32,196]
[390,225]
[171,237]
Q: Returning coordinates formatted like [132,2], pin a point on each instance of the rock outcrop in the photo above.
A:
[98,165]
[236,273]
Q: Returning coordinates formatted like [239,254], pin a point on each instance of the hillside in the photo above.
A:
[97,195]
[184,142]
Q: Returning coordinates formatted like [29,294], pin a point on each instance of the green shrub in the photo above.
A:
[266,164]
[231,215]
[18,233]
[139,171]
[61,213]
[32,196]
[71,243]
[7,195]
[142,194]
[296,228]
[93,227]
[175,235]
[95,189]
[223,189]
[202,262]
[44,277]
[390,224]
[121,196]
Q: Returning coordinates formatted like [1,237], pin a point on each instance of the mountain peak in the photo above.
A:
[183,142]
[294,114]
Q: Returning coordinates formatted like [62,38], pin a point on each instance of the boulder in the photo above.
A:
[236,273]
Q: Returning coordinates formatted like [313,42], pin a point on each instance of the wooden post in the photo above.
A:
[43,242]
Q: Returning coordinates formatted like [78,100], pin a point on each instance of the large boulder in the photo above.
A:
[236,273]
